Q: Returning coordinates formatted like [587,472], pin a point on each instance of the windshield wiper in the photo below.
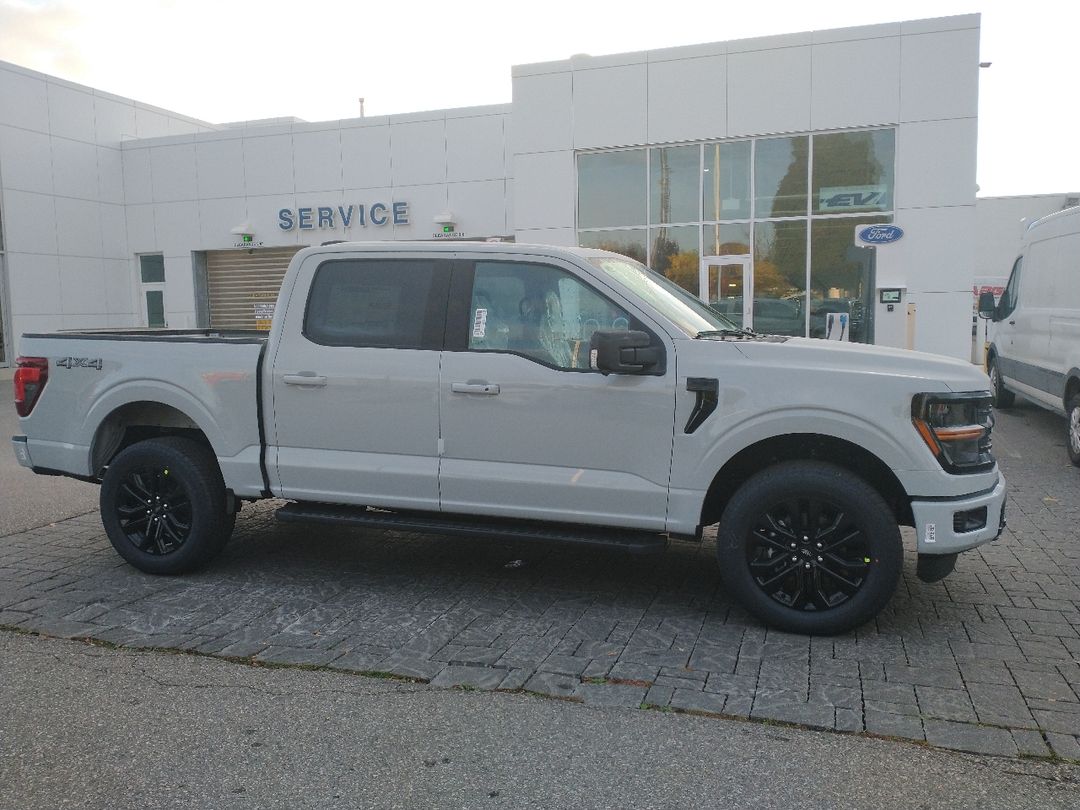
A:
[726,333]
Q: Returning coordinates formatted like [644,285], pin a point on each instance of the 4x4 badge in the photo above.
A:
[79,362]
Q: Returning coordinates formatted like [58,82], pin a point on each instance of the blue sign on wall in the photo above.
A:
[879,234]
[343,216]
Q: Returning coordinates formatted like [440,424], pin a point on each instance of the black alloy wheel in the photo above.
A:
[163,505]
[809,547]
[808,554]
[154,511]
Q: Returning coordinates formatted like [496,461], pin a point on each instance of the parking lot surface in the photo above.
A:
[986,661]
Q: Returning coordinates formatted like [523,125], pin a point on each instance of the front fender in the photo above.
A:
[721,442]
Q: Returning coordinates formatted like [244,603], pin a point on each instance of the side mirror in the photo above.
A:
[620,351]
[987,305]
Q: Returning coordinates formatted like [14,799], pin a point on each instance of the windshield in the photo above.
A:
[671,300]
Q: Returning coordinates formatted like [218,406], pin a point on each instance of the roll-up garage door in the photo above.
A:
[242,285]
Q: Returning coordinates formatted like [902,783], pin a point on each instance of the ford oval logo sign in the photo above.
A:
[880,234]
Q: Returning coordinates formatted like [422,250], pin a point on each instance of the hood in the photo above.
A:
[828,355]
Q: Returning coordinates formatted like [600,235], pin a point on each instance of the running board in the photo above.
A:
[629,540]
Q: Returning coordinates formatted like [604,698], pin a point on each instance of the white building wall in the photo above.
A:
[920,77]
[187,193]
[63,193]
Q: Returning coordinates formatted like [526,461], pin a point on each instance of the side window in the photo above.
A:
[1010,297]
[389,303]
[538,311]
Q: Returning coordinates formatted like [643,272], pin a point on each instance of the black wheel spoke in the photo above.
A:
[813,517]
[770,562]
[169,527]
[135,492]
[791,567]
[153,511]
[844,538]
[763,536]
[823,600]
[846,585]
[800,598]
[779,526]
[807,554]
[178,525]
[824,532]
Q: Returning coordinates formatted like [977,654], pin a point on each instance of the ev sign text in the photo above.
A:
[343,216]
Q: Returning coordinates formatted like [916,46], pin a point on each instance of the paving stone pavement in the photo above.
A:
[986,661]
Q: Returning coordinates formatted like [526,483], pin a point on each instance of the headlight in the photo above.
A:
[956,428]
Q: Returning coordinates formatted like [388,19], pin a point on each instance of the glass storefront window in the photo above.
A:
[726,239]
[726,180]
[841,277]
[611,189]
[672,206]
[673,184]
[674,253]
[780,177]
[780,277]
[629,242]
[853,171]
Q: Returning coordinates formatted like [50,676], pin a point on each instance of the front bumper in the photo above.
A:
[22,451]
[939,523]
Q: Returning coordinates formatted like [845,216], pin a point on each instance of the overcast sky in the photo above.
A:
[230,60]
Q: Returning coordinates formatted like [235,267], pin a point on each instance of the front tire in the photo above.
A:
[1002,398]
[1072,438]
[810,548]
[163,505]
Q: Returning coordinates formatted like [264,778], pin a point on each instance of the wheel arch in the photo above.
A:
[135,421]
[1072,385]
[805,447]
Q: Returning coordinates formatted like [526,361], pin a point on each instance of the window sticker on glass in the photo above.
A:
[479,327]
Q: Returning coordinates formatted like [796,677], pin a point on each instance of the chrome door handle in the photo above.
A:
[304,378]
[490,389]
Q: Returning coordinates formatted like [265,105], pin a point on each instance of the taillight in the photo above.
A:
[30,378]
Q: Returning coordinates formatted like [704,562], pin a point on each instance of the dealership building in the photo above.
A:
[750,172]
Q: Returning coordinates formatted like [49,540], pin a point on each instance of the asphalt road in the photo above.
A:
[28,500]
[87,726]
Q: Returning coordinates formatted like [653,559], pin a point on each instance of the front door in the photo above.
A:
[727,285]
[355,408]
[529,430]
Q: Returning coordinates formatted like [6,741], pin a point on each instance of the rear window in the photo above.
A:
[390,303]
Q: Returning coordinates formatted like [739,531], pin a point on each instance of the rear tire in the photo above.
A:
[1072,437]
[1002,398]
[810,548]
[163,505]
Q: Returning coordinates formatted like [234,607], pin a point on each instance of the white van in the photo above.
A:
[1035,338]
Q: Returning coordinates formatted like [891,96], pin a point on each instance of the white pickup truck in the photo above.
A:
[528,392]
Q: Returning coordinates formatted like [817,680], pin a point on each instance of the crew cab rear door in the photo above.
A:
[529,430]
[355,381]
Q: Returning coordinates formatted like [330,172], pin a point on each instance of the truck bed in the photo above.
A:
[100,380]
